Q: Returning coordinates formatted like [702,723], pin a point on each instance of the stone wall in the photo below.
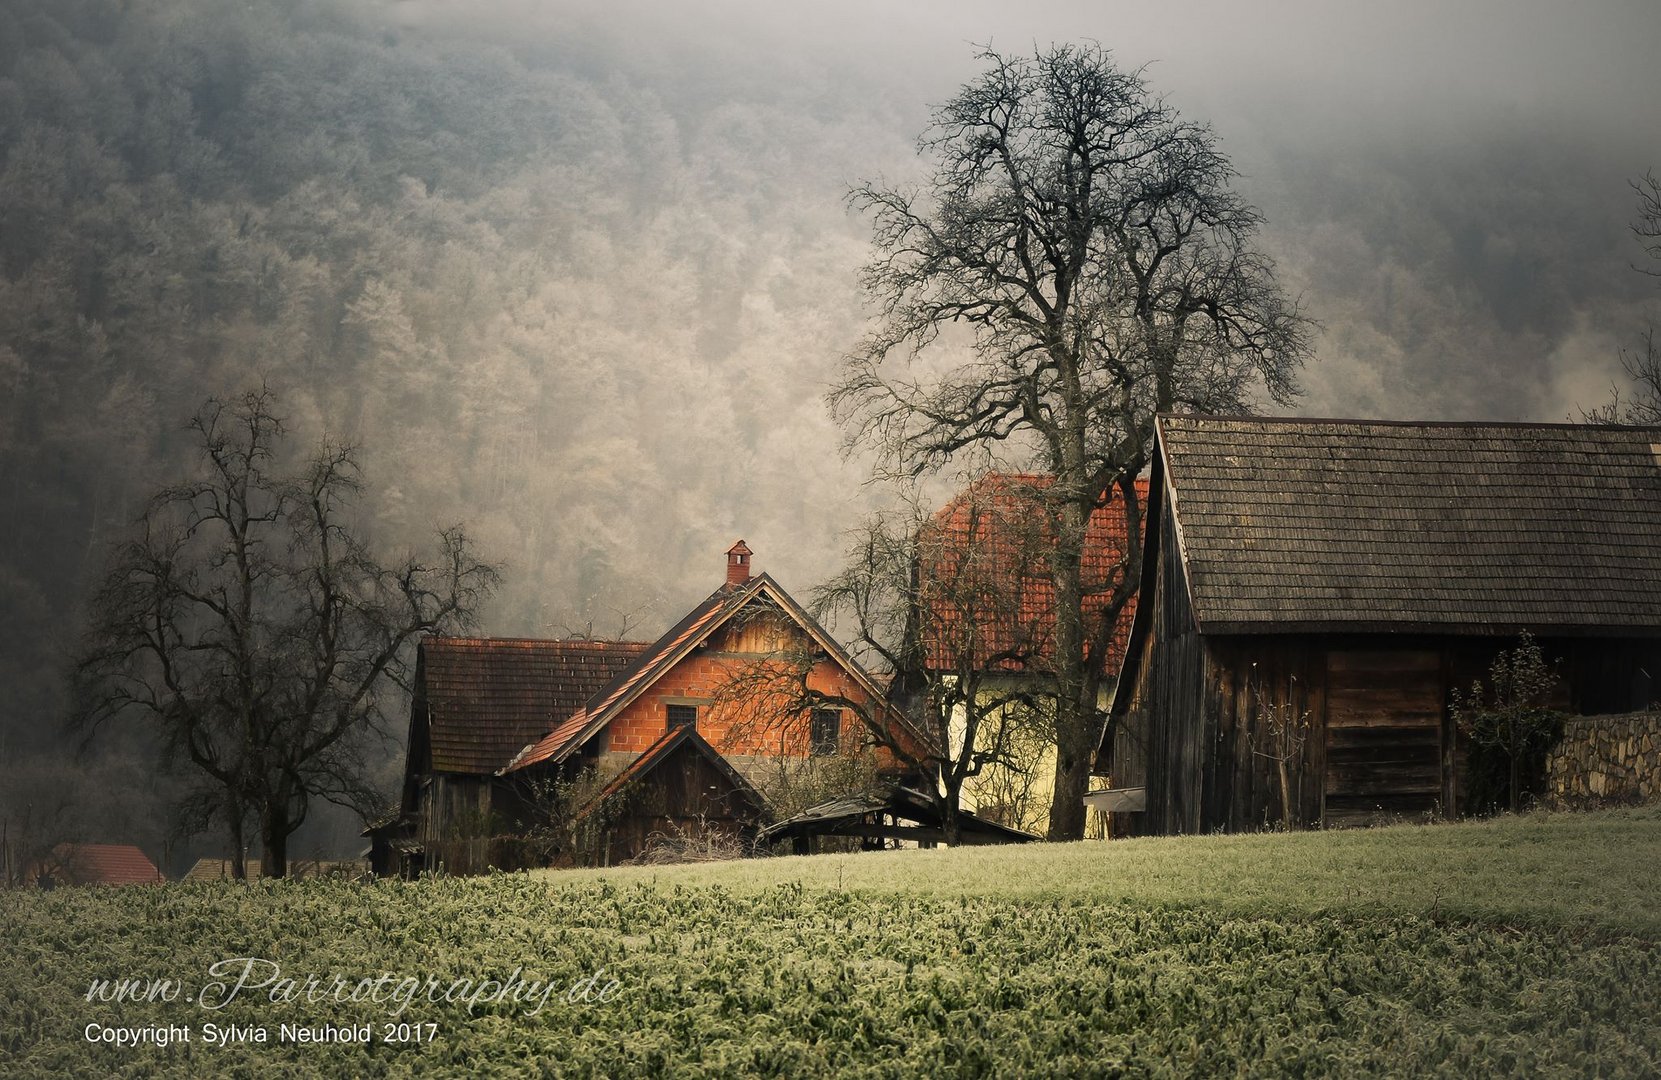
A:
[1606,759]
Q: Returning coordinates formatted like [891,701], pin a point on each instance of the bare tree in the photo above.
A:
[1088,240]
[37,814]
[1642,405]
[251,627]
[1279,737]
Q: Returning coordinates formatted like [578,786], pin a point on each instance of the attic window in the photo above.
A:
[826,734]
[682,716]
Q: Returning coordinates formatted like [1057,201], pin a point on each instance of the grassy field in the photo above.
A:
[1519,947]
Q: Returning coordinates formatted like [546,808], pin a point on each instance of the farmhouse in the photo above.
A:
[1314,590]
[985,558]
[500,726]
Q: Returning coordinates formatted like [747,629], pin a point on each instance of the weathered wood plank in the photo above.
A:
[1361,663]
[1378,738]
[1339,717]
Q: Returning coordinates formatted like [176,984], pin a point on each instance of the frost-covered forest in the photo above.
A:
[542,299]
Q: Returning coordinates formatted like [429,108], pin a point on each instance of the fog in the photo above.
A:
[578,274]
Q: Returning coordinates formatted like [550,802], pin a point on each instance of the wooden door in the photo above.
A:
[1384,736]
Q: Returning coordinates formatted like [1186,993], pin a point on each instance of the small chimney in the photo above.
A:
[738,564]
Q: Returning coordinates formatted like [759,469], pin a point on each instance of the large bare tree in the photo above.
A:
[1089,241]
[248,623]
[1642,404]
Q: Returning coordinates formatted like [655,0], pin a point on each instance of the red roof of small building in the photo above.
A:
[102,864]
[487,697]
[989,547]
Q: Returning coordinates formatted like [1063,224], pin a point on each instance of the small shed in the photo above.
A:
[888,813]
[222,869]
[1314,590]
[680,789]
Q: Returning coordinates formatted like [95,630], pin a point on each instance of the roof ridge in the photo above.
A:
[1379,422]
[600,642]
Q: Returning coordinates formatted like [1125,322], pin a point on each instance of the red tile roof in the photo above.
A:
[997,524]
[487,697]
[102,864]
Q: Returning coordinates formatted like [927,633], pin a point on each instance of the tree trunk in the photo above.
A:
[1072,778]
[1288,816]
[1514,752]
[277,830]
[239,850]
[1074,716]
[950,826]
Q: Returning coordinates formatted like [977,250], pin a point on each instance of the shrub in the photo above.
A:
[1510,727]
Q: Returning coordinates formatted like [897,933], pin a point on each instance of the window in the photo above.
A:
[683,716]
[826,733]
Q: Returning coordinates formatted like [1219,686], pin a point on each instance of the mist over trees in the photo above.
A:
[472,267]
[577,272]
[1641,402]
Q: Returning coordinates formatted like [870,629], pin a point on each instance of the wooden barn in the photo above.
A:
[494,722]
[476,703]
[1314,590]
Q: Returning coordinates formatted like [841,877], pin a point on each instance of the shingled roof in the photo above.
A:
[1290,525]
[487,697]
[998,519]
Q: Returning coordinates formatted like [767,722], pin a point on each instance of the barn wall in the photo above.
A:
[1390,750]
[1160,743]
[457,823]
[683,798]
[1372,736]
[1268,698]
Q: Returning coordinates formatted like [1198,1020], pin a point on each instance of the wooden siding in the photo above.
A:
[456,823]
[1386,728]
[1269,699]
[1162,739]
[685,797]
